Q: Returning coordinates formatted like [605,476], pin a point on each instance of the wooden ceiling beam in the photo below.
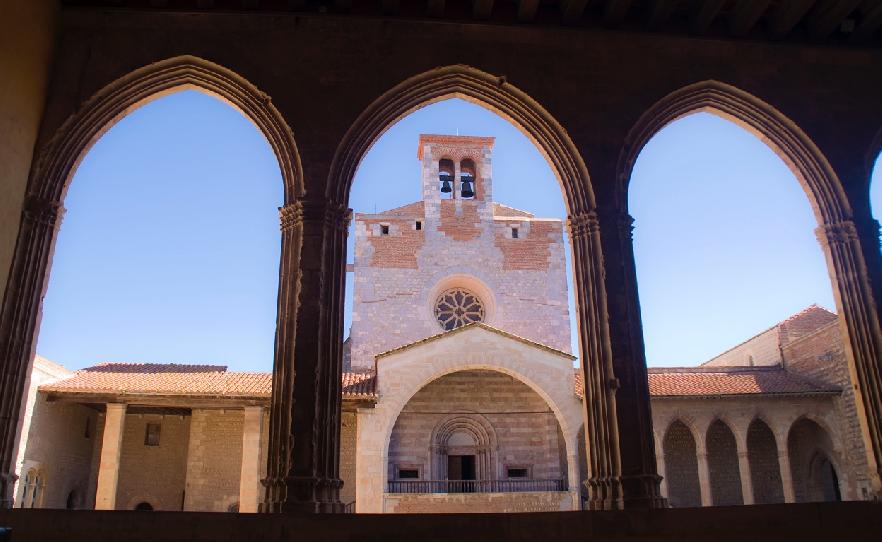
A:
[871,21]
[527,10]
[827,15]
[705,14]
[745,15]
[572,10]
[787,15]
[482,9]
[614,11]
[659,12]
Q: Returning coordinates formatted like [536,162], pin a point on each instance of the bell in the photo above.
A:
[467,190]
[445,185]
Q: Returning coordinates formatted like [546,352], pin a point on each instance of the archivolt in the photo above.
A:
[804,158]
[490,91]
[58,159]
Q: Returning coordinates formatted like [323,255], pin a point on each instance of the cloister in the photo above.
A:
[322,87]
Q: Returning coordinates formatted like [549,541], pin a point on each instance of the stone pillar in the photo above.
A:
[41,217]
[618,417]
[108,468]
[746,480]
[859,318]
[660,468]
[249,480]
[786,475]
[707,498]
[303,470]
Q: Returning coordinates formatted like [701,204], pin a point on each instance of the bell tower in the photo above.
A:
[455,168]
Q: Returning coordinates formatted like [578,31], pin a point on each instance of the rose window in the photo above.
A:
[458,307]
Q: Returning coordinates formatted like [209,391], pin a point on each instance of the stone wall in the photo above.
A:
[348,435]
[448,503]
[761,350]
[681,467]
[722,460]
[214,460]
[153,474]
[765,471]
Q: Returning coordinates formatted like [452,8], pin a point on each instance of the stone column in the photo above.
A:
[707,498]
[660,468]
[617,399]
[40,219]
[786,475]
[859,317]
[303,473]
[249,479]
[746,480]
[108,468]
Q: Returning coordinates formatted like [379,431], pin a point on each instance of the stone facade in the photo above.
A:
[141,464]
[214,460]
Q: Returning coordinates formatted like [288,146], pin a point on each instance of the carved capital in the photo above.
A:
[837,233]
[42,211]
[582,224]
[290,216]
[331,214]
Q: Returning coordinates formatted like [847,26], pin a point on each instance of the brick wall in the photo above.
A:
[722,460]
[526,430]
[153,474]
[214,462]
[681,467]
[765,472]
[763,349]
[478,502]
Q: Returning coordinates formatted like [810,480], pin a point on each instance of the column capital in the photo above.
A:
[837,233]
[582,224]
[41,210]
[332,214]
[290,216]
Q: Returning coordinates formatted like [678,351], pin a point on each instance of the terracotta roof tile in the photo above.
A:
[725,381]
[196,380]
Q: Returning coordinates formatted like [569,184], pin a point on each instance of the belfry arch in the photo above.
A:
[838,230]
[51,173]
[606,488]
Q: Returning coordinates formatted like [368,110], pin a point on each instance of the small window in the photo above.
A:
[518,472]
[514,233]
[419,225]
[408,474]
[384,229]
[151,434]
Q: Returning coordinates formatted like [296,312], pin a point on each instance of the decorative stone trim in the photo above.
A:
[838,233]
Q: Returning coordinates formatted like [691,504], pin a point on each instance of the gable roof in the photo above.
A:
[474,325]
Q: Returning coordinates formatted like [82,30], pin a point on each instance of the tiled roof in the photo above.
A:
[725,381]
[192,380]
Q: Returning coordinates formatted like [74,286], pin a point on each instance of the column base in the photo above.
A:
[604,494]
[303,495]
[643,491]
[7,483]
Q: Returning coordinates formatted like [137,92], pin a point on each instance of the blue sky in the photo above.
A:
[169,248]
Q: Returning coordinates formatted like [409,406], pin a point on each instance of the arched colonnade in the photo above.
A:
[303,462]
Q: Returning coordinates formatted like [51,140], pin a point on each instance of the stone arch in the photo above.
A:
[815,465]
[482,433]
[50,175]
[503,98]
[722,462]
[681,465]
[837,232]
[762,456]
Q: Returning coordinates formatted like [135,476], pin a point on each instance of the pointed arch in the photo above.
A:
[489,91]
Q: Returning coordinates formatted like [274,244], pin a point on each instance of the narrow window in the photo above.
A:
[151,434]
[445,177]
[88,432]
[467,179]
[408,474]
[384,229]
[514,233]
[517,472]
[419,225]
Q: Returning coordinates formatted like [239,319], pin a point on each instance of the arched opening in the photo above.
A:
[722,462]
[144,507]
[812,452]
[765,472]
[32,489]
[681,466]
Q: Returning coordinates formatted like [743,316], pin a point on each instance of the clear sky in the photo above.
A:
[169,248]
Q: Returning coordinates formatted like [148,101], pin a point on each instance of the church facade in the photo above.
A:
[459,390]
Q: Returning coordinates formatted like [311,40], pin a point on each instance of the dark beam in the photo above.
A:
[705,14]
[435,8]
[827,15]
[871,20]
[614,11]
[482,9]
[787,15]
[527,10]
[659,12]
[572,10]
[390,7]
[745,15]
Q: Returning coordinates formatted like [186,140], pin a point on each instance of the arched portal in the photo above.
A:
[840,235]
[816,477]
[722,462]
[681,466]
[503,98]
[765,472]
[50,176]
